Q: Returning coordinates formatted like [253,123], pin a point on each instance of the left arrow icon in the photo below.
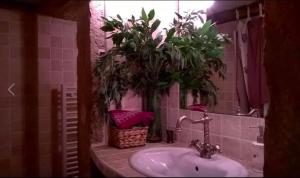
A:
[10,89]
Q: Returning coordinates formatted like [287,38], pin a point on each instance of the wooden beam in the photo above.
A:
[282,62]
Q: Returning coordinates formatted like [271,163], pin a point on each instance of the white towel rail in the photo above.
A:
[70,131]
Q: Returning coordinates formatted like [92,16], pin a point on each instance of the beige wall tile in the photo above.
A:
[56,53]
[172,117]
[231,126]
[69,77]
[69,65]
[69,29]
[56,77]
[216,140]
[184,136]
[246,150]
[195,134]
[68,54]
[68,42]
[56,27]
[56,65]
[231,147]
[56,42]
[247,132]
[215,124]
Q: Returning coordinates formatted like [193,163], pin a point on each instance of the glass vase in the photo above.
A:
[151,103]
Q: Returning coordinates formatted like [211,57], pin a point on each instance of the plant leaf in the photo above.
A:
[155,24]
[178,15]
[206,26]
[119,17]
[170,34]
[151,14]
[201,19]
[107,28]
[144,15]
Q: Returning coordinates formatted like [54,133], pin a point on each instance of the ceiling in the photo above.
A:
[218,6]
[223,5]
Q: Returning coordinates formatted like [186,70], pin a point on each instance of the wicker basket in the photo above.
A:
[125,138]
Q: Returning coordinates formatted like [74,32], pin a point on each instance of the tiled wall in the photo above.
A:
[11,112]
[57,54]
[57,65]
[227,101]
[232,133]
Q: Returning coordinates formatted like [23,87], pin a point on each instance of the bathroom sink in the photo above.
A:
[183,162]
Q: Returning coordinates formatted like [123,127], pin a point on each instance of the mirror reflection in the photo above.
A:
[243,91]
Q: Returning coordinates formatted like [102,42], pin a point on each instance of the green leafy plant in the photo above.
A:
[200,50]
[139,60]
[148,62]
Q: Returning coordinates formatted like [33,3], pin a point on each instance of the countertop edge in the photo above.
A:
[127,171]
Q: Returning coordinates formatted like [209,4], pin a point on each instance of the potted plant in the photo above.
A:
[149,64]
[200,50]
[143,62]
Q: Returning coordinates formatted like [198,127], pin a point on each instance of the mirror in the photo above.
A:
[244,90]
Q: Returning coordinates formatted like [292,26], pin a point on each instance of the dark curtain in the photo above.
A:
[240,81]
[257,88]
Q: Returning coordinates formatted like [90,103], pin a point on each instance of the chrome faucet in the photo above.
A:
[250,113]
[205,149]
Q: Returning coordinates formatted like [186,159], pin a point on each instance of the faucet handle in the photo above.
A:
[217,148]
[260,137]
[194,142]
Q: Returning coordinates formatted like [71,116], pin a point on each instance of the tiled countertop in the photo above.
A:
[114,162]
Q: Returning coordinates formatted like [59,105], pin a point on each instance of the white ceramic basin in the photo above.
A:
[183,162]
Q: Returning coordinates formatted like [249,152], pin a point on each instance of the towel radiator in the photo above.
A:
[69,131]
